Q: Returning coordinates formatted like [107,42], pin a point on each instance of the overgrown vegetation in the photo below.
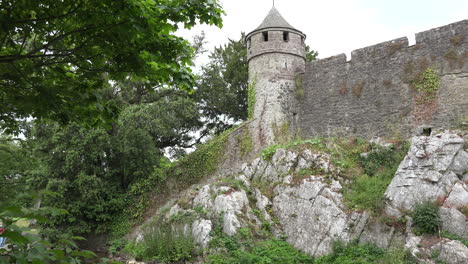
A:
[426,218]
[355,253]
[370,174]
[378,167]
[427,83]
[166,244]
[242,248]
[202,162]
[251,99]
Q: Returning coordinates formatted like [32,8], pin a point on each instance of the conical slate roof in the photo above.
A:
[274,20]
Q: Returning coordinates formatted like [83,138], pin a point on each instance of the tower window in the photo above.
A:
[248,43]
[286,36]
[265,36]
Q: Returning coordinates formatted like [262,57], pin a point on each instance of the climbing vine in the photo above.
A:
[251,98]
[202,162]
[427,83]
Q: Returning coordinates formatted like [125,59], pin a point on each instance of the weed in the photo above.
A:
[357,89]
[269,151]
[452,236]
[454,58]
[343,90]
[234,183]
[392,48]
[426,218]
[457,40]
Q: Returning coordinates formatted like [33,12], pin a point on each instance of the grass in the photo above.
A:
[369,175]
[366,190]
[454,237]
[165,244]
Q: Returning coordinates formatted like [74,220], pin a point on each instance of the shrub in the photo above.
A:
[426,218]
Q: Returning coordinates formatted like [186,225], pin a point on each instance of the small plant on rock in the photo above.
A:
[426,218]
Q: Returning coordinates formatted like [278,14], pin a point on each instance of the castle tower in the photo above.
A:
[276,57]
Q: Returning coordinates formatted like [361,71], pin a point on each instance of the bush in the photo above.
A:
[426,218]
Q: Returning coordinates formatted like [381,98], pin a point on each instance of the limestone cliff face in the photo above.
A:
[308,209]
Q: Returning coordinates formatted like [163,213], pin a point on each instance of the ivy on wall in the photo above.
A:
[251,98]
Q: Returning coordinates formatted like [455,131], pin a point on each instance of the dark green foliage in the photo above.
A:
[202,162]
[311,55]
[27,245]
[426,218]
[379,157]
[56,57]
[17,166]
[223,84]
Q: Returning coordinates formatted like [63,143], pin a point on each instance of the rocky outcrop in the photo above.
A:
[433,171]
[299,193]
[313,215]
[429,172]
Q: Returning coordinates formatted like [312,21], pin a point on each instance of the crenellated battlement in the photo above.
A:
[441,36]
[375,92]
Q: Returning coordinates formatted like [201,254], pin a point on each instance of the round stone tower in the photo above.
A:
[276,57]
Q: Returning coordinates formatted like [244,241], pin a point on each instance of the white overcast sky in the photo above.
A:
[337,26]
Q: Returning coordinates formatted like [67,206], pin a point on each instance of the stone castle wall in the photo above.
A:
[374,93]
[273,76]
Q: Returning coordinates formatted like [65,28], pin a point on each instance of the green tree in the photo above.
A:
[311,55]
[222,86]
[57,57]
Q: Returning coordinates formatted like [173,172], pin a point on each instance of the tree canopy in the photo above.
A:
[57,57]
[222,86]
